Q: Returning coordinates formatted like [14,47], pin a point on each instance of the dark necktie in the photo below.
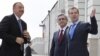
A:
[60,37]
[20,26]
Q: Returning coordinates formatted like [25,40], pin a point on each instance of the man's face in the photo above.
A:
[18,9]
[62,21]
[74,15]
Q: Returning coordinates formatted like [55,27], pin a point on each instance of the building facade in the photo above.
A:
[61,6]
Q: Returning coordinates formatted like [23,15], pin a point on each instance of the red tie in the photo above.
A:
[60,37]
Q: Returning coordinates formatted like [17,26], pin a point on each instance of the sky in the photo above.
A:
[35,12]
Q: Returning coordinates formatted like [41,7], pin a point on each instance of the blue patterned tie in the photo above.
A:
[71,32]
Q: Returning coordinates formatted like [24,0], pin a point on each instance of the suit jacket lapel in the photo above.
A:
[64,35]
[23,25]
[57,36]
[76,29]
[16,23]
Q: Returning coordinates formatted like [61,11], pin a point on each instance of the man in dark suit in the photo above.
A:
[58,45]
[78,33]
[13,32]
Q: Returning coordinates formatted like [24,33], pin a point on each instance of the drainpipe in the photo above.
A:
[49,34]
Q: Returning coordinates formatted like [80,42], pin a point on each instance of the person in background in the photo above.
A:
[28,50]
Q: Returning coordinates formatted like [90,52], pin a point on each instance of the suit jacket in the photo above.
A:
[56,49]
[28,51]
[9,30]
[78,44]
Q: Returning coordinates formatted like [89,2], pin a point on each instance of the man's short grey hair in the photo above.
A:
[62,15]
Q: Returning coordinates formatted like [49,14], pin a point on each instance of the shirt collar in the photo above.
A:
[75,22]
[63,28]
[17,17]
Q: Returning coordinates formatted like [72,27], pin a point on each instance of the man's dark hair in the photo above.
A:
[15,4]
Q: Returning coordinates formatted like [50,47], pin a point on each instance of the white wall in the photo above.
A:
[38,45]
[46,34]
[50,27]
[95,48]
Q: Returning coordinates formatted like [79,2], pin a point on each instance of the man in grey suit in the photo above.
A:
[78,33]
[59,38]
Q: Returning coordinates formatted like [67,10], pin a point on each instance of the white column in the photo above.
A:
[61,6]
[95,41]
[80,4]
[68,4]
[93,46]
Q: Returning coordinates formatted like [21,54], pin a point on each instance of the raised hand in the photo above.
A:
[93,12]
